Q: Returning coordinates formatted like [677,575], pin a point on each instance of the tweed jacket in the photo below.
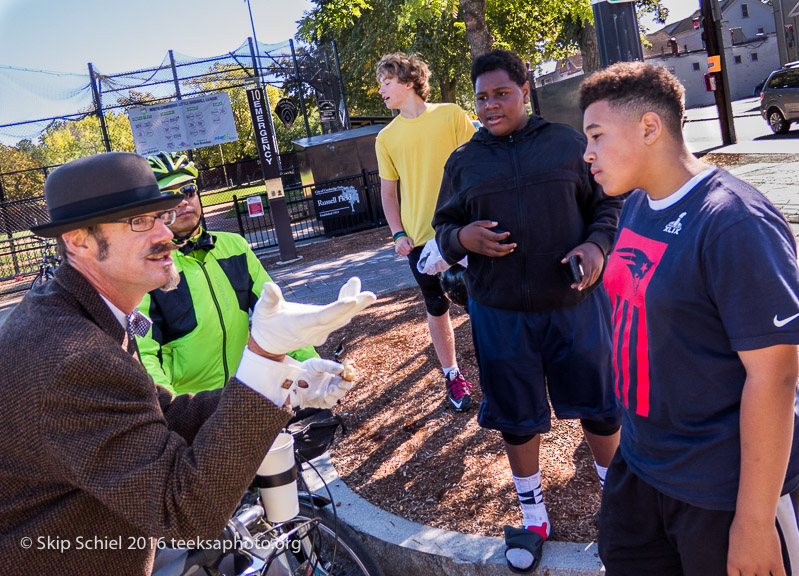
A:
[96,462]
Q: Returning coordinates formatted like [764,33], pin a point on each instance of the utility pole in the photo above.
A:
[617,32]
[717,68]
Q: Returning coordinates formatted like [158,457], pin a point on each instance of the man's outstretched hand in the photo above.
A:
[279,326]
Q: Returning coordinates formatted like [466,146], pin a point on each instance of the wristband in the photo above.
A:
[399,235]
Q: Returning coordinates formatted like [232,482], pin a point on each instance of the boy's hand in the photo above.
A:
[403,246]
[754,549]
[476,237]
[592,259]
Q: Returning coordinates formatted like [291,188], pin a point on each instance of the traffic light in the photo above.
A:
[699,21]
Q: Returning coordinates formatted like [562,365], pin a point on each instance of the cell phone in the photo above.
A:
[576,269]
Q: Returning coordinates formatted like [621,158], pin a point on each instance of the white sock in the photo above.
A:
[448,372]
[534,516]
[531,498]
[601,471]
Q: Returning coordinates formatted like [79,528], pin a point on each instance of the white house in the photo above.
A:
[750,49]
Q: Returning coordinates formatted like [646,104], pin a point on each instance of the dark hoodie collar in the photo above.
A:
[533,123]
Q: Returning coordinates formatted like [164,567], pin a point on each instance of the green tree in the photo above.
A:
[66,140]
[365,30]
[22,175]
[446,33]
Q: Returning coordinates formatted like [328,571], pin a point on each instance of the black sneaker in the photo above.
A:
[459,392]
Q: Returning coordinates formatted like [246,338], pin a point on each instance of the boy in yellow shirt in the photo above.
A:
[413,149]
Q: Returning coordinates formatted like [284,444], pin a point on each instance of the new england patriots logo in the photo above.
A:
[638,263]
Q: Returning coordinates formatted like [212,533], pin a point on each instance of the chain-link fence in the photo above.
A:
[310,75]
[20,250]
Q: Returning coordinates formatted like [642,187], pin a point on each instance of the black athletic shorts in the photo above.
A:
[643,531]
[522,355]
[435,301]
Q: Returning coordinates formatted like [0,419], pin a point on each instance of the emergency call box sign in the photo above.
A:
[254,206]
[183,125]
[338,201]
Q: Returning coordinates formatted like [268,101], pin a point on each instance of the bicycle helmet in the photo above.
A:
[172,168]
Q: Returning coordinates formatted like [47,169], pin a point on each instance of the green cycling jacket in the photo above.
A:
[200,329]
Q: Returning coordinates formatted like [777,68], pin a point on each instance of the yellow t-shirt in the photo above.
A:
[414,152]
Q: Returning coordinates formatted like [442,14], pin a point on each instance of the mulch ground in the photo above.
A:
[407,453]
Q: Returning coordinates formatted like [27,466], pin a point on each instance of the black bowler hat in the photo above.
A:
[99,189]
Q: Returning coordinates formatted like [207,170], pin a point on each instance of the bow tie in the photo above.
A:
[138,323]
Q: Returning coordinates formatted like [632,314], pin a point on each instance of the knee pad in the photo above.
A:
[516,440]
[599,428]
[436,305]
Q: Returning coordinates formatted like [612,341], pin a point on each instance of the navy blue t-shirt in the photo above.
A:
[691,285]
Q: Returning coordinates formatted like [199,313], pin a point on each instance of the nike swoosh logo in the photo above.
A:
[780,323]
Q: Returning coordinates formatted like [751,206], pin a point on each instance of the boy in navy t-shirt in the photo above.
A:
[704,289]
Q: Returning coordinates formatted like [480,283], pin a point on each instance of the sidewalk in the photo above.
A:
[318,282]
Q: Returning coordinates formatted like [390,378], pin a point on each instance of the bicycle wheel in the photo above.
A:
[330,549]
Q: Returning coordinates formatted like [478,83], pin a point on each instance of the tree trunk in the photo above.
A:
[474,15]
[589,48]
[449,89]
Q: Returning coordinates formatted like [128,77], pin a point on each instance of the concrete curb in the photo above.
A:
[403,547]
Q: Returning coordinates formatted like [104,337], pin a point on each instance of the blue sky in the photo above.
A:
[64,35]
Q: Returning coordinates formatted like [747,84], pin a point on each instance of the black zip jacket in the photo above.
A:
[537,186]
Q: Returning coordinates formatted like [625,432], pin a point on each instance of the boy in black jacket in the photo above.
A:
[520,200]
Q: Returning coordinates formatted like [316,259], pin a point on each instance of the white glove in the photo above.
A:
[279,326]
[319,386]
[432,262]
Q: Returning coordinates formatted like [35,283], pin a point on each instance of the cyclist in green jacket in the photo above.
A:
[201,328]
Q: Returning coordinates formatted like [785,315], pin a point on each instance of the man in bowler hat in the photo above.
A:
[98,465]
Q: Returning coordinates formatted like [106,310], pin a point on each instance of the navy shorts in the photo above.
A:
[522,354]
[436,303]
[643,531]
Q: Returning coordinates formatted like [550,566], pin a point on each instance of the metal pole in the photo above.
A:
[238,216]
[98,107]
[341,87]
[779,20]
[715,47]
[177,88]
[299,89]
[255,66]
[252,23]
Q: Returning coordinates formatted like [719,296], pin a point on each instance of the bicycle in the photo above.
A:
[50,260]
[313,543]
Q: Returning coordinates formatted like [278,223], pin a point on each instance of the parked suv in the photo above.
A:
[779,101]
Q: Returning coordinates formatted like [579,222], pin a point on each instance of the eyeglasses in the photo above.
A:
[189,190]
[145,223]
